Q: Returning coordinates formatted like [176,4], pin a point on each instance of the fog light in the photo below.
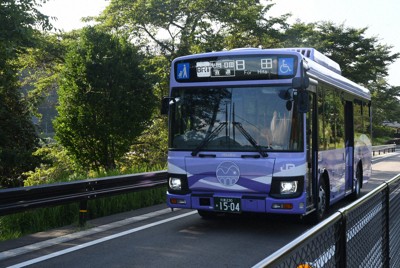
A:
[181,201]
[175,183]
[288,187]
[276,206]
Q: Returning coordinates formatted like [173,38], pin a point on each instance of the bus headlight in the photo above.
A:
[175,183]
[288,187]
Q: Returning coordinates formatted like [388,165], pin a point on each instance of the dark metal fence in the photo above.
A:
[15,200]
[383,149]
[364,234]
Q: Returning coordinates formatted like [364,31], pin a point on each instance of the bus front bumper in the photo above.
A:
[235,203]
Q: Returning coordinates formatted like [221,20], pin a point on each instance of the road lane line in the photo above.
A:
[62,239]
[98,241]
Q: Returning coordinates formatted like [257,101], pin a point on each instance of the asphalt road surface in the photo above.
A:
[159,237]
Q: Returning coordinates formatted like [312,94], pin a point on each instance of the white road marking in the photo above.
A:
[55,241]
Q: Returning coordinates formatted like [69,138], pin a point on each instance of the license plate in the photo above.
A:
[227,204]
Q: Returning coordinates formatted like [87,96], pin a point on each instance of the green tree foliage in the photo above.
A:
[362,59]
[150,148]
[386,104]
[56,166]
[105,99]
[17,137]
[40,67]
[19,21]
[181,27]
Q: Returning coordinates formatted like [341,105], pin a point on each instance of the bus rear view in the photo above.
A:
[239,139]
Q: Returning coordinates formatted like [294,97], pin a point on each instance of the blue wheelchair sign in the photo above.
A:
[285,66]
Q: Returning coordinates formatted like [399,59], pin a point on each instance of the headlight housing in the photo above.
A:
[178,184]
[287,187]
[175,183]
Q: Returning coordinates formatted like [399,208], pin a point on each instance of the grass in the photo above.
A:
[380,140]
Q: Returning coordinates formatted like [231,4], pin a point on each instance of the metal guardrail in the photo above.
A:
[19,199]
[363,234]
[383,148]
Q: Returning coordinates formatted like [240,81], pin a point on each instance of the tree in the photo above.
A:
[386,105]
[181,27]
[105,99]
[19,21]
[362,59]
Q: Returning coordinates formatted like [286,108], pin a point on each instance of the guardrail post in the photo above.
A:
[340,247]
[82,213]
[386,229]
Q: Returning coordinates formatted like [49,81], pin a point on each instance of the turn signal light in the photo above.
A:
[176,201]
[282,206]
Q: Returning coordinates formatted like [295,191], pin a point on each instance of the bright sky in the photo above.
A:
[380,16]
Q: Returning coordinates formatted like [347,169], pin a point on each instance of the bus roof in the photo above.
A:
[328,71]
[321,67]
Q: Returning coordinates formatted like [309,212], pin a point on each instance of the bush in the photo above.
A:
[41,219]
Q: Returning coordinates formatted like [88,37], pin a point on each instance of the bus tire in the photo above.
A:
[357,181]
[323,203]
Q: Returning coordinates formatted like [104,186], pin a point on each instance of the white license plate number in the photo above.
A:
[226,204]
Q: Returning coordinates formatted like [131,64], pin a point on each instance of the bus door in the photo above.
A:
[349,145]
[311,147]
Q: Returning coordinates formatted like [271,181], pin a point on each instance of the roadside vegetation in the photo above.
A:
[85,104]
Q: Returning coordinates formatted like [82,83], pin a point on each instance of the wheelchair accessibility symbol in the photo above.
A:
[286,66]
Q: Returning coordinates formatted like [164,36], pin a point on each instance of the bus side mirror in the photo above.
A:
[300,82]
[165,105]
[303,101]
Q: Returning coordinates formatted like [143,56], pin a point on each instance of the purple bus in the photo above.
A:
[265,130]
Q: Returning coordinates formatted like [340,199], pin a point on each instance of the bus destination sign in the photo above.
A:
[237,68]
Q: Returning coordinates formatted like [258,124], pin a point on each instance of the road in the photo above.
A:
[159,237]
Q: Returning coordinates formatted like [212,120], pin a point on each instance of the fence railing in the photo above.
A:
[23,198]
[383,149]
[363,234]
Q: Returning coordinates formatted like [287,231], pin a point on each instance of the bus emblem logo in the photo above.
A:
[228,173]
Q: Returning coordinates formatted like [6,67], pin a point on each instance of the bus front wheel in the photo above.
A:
[322,199]
[323,203]
[357,184]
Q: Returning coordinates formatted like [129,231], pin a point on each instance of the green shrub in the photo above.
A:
[41,219]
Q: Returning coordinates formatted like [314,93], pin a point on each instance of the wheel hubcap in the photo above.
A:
[322,200]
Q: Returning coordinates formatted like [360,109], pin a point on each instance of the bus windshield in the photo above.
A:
[235,119]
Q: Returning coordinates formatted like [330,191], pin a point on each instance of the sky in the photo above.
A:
[382,17]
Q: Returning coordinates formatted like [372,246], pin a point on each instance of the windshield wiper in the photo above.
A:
[250,139]
[208,138]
